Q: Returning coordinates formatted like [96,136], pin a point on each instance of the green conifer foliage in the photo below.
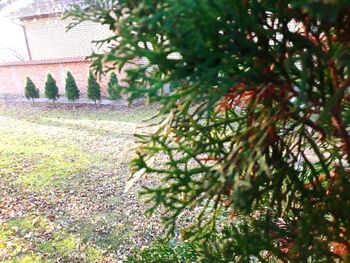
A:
[51,89]
[113,87]
[31,92]
[72,91]
[94,90]
[254,146]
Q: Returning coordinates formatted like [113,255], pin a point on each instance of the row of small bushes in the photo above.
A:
[71,89]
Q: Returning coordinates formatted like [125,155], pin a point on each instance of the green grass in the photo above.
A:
[14,248]
[25,247]
[39,163]
[62,183]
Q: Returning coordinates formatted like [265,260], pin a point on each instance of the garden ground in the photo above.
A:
[62,178]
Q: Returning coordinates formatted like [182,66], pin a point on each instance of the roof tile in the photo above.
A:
[45,61]
[37,8]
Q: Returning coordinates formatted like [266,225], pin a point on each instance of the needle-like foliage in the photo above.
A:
[30,91]
[255,139]
[114,89]
[51,89]
[72,91]
[93,89]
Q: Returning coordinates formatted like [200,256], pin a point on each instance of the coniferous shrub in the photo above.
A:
[51,89]
[255,141]
[72,91]
[162,251]
[94,90]
[174,85]
[113,87]
[31,92]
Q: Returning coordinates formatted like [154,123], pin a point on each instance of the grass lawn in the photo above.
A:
[62,177]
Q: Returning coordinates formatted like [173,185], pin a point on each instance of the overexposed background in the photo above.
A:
[12,42]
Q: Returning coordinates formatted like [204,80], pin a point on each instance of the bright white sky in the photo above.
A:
[11,35]
[12,41]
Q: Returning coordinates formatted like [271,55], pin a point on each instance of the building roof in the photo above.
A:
[37,8]
[46,61]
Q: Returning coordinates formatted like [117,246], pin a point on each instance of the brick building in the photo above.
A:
[48,47]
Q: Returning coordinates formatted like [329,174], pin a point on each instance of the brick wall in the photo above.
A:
[48,38]
[55,51]
[13,75]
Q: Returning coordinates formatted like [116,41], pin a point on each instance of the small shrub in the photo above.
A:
[94,90]
[113,87]
[164,252]
[51,90]
[72,91]
[31,92]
